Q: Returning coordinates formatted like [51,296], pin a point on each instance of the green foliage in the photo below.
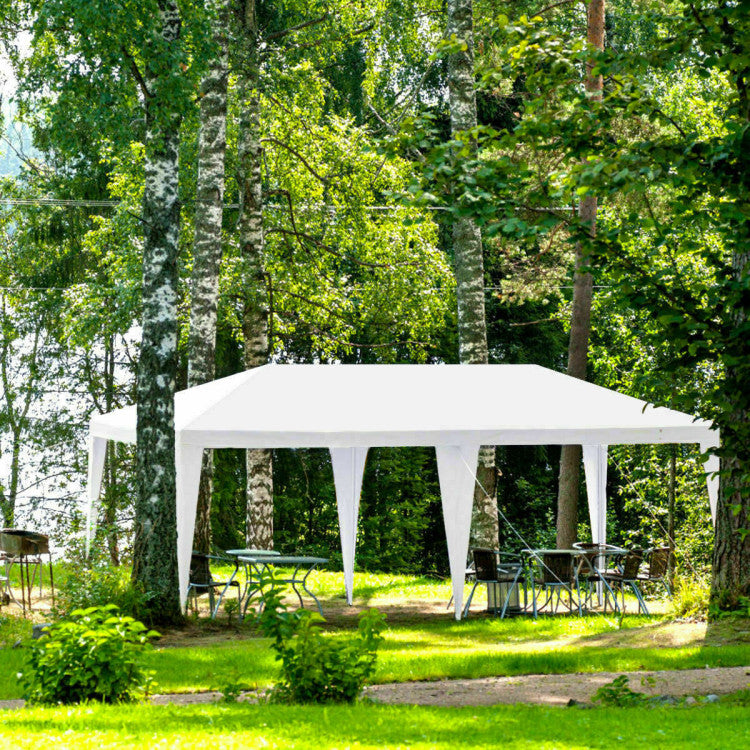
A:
[13,629]
[618,693]
[92,655]
[665,151]
[740,698]
[82,588]
[690,596]
[724,607]
[315,668]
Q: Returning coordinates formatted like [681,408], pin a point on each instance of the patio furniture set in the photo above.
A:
[255,572]
[23,549]
[581,579]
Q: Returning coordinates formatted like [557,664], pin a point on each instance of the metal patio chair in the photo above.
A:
[202,582]
[591,566]
[657,559]
[628,575]
[554,572]
[503,573]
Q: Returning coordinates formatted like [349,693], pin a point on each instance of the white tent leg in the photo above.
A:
[711,466]
[97,452]
[188,462]
[595,466]
[348,470]
[457,473]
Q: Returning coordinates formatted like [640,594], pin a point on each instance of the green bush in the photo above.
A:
[316,668]
[618,693]
[100,585]
[690,596]
[91,655]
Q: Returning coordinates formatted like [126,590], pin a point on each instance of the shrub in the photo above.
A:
[99,586]
[316,668]
[690,596]
[91,655]
[618,693]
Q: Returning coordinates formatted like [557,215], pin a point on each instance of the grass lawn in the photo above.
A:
[371,726]
[424,644]
[422,641]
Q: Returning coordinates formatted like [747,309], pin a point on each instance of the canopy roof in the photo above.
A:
[324,406]
[350,408]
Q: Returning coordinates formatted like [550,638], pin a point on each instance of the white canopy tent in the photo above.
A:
[351,408]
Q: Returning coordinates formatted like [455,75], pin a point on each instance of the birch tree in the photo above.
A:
[580,319]
[259,466]
[155,551]
[467,249]
[207,246]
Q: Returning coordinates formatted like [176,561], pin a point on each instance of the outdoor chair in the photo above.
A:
[502,572]
[554,571]
[468,577]
[4,582]
[202,582]
[658,567]
[591,566]
[628,575]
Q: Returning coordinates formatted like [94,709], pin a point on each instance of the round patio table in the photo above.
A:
[258,564]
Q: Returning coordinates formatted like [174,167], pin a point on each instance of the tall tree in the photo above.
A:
[208,241]
[255,311]
[19,391]
[580,319]
[467,249]
[155,552]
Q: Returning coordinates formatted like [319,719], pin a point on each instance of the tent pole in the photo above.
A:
[97,448]
[188,463]
[595,467]
[457,480]
[711,466]
[348,470]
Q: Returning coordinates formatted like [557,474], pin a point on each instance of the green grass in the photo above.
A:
[415,648]
[371,726]
[440,650]
[420,648]
[436,650]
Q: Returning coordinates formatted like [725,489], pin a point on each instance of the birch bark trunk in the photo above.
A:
[109,494]
[580,322]
[155,549]
[207,248]
[259,490]
[467,248]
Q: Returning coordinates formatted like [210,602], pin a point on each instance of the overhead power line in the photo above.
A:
[80,203]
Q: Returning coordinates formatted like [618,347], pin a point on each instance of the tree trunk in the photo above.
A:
[207,246]
[9,511]
[259,491]
[467,249]
[671,492]
[17,406]
[730,582]
[580,322]
[110,476]
[155,551]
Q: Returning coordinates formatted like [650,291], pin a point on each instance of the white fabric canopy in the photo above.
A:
[350,408]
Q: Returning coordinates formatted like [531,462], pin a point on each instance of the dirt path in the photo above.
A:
[547,690]
[557,690]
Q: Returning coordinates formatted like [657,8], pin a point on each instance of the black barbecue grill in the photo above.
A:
[25,549]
